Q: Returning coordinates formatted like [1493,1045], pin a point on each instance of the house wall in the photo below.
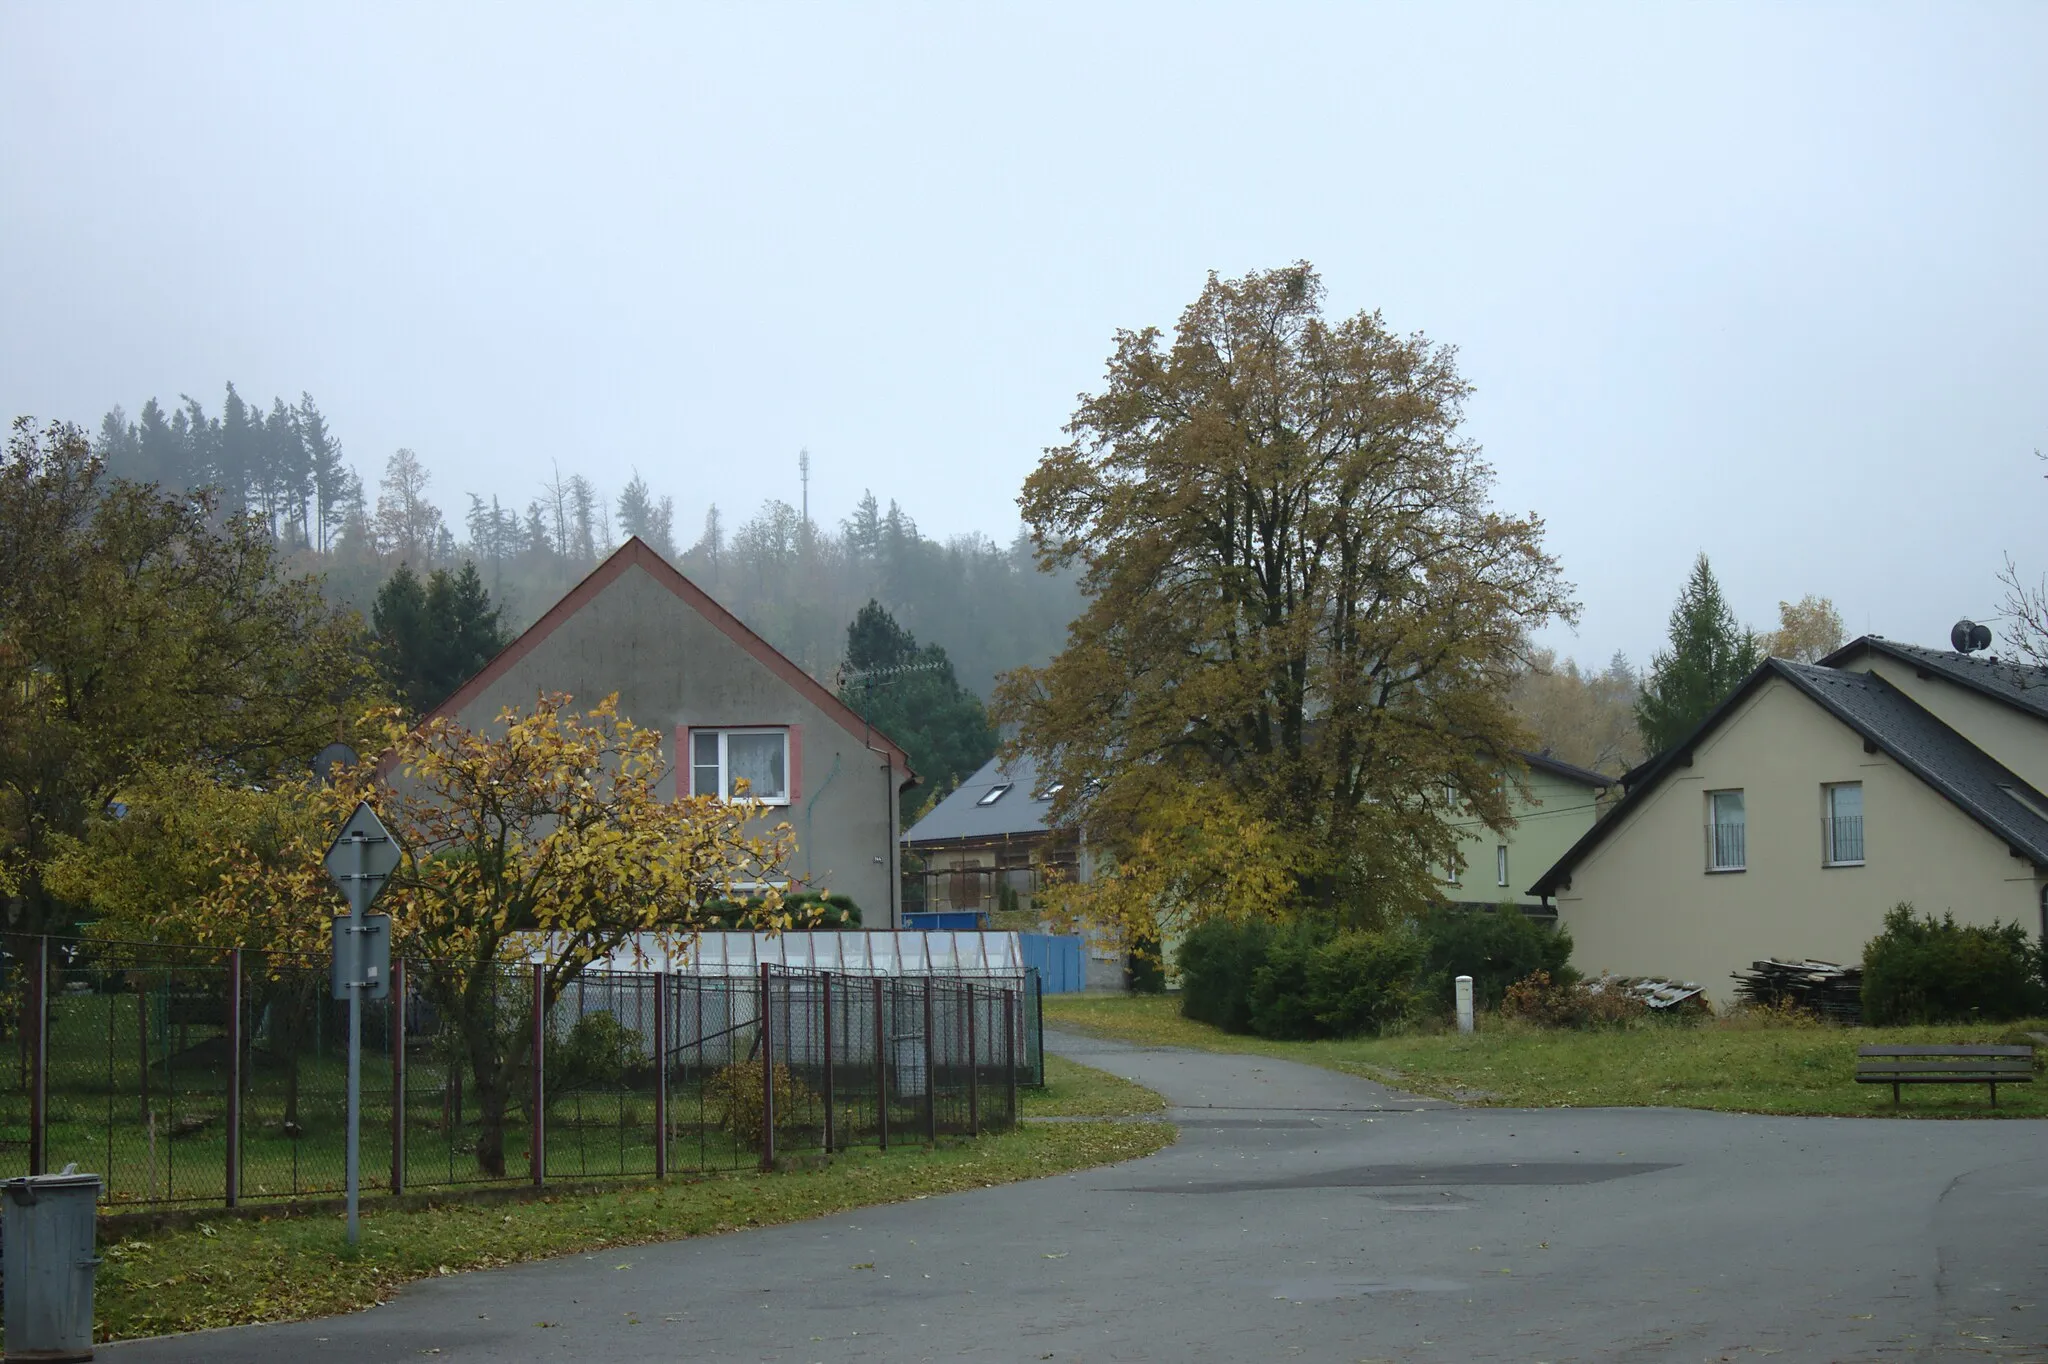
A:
[1546,827]
[1643,903]
[2015,738]
[672,670]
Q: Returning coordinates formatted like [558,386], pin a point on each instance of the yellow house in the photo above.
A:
[1807,804]
[1561,807]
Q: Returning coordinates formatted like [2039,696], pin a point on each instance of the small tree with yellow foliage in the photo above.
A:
[540,840]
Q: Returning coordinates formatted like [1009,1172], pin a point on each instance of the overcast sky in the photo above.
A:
[1770,282]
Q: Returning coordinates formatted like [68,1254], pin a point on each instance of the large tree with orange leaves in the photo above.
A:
[1303,615]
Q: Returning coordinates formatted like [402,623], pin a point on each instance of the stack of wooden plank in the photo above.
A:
[1823,987]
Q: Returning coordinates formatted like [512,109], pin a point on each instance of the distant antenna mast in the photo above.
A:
[803,466]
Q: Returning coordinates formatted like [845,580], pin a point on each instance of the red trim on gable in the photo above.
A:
[637,552]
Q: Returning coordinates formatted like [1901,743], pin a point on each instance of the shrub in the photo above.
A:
[1924,970]
[1551,1003]
[1279,1004]
[1217,960]
[1365,982]
[1496,949]
[598,1053]
[737,1091]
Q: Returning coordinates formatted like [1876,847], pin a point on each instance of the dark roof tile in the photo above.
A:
[2021,685]
[1021,809]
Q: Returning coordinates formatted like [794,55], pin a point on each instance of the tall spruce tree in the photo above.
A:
[923,707]
[1709,656]
[653,521]
[433,634]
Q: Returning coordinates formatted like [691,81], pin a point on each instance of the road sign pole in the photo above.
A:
[358,894]
[362,858]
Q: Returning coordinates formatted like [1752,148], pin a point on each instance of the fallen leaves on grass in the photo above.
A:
[290,1268]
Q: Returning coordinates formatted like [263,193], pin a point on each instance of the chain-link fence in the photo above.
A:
[204,1076]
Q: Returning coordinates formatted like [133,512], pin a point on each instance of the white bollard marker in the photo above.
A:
[1464,1003]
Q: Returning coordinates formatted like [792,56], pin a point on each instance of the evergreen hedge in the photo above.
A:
[1924,970]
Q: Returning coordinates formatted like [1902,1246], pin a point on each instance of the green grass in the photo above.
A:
[231,1272]
[1073,1090]
[1725,1064]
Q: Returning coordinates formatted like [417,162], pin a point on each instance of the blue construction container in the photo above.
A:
[1058,959]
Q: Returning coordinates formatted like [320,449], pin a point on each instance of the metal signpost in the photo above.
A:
[361,860]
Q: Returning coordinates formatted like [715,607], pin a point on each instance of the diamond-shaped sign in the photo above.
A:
[361,874]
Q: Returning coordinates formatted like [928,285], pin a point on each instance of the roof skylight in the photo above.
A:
[995,793]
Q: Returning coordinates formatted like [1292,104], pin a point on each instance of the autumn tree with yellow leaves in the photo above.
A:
[1303,617]
[541,839]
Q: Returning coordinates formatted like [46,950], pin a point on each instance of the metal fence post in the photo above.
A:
[825,1007]
[881,1069]
[39,1060]
[1010,1050]
[234,1172]
[661,1075]
[767,1077]
[537,1137]
[1038,994]
[973,1070]
[397,1007]
[931,1070]
[142,1042]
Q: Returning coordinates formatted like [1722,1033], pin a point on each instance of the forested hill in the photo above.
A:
[797,583]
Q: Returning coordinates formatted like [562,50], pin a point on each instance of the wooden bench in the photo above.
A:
[1929,1065]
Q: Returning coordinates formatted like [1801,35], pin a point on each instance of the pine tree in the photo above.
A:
[433,634]
[582,518]
[328,476]
[1709,656]
[199,458]
[238,461]
[159,459]
[286,476]
[863,530]
[923,707]
[711,546]
[119,447]
[641,515]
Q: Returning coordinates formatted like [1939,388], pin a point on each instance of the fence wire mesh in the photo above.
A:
[197,1076]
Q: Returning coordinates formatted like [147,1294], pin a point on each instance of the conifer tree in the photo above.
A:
[923,707]
[328,476]
[1709,656]
[652,521]
[433,634]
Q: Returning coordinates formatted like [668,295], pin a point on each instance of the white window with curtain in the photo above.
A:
[1727,832]
[740,764]
[1500,864]
[1842,824]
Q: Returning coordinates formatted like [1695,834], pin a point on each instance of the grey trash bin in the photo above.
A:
[46,1228]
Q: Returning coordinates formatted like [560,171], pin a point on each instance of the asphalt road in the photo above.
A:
[1306,1215]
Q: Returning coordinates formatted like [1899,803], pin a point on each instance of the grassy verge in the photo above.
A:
[236,1272]
[1723,1064]
[1073,1090]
